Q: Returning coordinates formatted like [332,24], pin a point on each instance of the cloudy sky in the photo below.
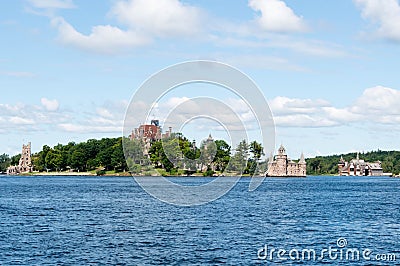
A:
[329,69]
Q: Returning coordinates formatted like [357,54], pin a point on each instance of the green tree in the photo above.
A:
[134,150]
[118,161]
[239,159]
[15,159]
[257,150]
[5,162]
[53,160]
[78,159]
[223,155]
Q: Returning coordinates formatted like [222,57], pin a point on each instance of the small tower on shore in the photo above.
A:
[25,162]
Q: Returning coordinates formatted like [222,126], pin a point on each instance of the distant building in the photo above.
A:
[282,166]
[358,167]
[150,132]
[208,143]
[25,162]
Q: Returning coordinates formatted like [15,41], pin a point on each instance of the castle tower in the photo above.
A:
[341,164]
[302,165]
[281,161]
[25,162]
[282,166]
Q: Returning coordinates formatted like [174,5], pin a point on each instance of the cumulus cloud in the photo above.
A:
[50,105]
[22,118]
[103,39]
[377,105]
[385,14]
[285,105]
[141,21]
[233,113]
[158,17]
[107,118]
[276,16]
[378,100]
[16,120]
[26,118]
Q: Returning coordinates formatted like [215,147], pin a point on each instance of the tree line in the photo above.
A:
[174,155]
[105,154]
[177,155]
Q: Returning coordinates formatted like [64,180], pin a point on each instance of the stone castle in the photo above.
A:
[25,162]
[283,166]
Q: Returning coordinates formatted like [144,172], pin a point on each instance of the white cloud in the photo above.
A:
[158,17]
[50,105]
[21,118]
[285,105]
[56,4]
[384,13]
[377,106]
[103,39]
[107,118]
[16,120]
[341,115]
[304,120]
[378,100]
[140,23]
[80,128]
[144,20]
[276,16]
[104,112]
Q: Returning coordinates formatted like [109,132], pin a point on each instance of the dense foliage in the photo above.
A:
[173,155]
[323,165]
[105,154]
[177,155]
[6,161]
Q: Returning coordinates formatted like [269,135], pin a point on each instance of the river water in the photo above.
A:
[111,220]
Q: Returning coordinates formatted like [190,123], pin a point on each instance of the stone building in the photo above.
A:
[283,166]
[151,132]
[358,167]
[25,162]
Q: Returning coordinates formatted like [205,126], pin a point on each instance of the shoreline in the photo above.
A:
[92,174]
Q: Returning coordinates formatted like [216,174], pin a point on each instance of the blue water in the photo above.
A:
[111,220]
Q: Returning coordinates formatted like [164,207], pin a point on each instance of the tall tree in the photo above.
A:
[223,155]
[257,150]
[239,159]
[5,162]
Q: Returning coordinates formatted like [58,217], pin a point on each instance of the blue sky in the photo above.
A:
[329,69]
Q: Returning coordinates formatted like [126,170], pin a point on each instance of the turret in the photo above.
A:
[341,164]
[282,150]
[302,160]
